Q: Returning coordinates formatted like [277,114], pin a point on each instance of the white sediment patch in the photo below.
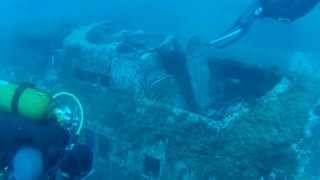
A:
[305,65]
[313,120]
[280,88]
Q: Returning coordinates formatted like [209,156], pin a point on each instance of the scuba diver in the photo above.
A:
[285,11]
[38,138]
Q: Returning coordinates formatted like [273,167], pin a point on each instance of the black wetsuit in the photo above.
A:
[48,137]
[287,9]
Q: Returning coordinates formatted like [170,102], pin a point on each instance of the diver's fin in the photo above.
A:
[240,27]
[227,39]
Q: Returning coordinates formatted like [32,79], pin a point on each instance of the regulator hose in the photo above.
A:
[72,96]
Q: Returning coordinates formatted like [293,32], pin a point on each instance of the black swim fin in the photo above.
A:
[228,39]
[240,27]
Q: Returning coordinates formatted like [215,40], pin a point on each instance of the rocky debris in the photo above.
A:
[117,57]
[131,61]
[160,141]
[161,68]
[254,127]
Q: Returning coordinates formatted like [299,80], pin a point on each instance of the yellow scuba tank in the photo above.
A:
[24,100]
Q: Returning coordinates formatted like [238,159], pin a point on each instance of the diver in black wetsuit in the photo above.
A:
[281,10]
[33,151]
[36,147]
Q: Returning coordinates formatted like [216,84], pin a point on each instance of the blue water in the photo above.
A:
[211,84]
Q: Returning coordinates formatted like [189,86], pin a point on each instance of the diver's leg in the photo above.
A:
[27,164]
[240,28]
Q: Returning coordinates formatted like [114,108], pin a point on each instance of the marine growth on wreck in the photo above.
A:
[175,123]
[162,106]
